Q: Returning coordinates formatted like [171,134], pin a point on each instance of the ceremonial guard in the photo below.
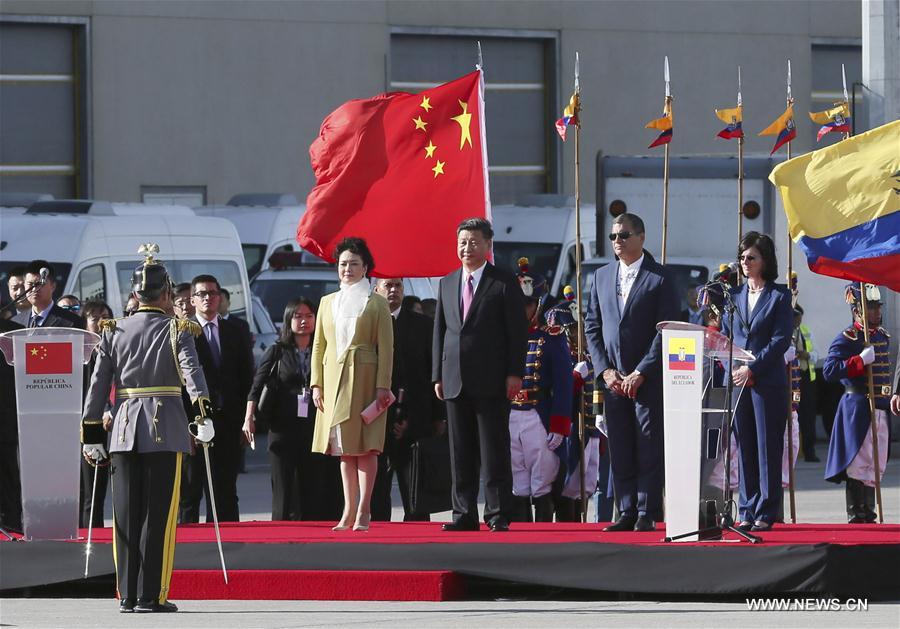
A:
[146,359]
[850,453]
[587,398]
[790,358]
[540,415]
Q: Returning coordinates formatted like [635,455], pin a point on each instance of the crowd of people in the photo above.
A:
[356,382]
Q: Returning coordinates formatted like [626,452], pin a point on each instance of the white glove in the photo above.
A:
[790,355]
[554,440]
[582,370]
[204,432]
[868,355]
[600,424]
[96,452]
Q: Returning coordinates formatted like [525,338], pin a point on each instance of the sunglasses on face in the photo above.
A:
[620,236]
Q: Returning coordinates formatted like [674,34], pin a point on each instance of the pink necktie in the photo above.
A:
[468,295]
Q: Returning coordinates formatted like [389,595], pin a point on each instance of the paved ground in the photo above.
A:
[78,614]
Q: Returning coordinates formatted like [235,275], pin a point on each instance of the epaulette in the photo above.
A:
[851,333]
[107,325]
[186,325]
[885,332]
[553,330]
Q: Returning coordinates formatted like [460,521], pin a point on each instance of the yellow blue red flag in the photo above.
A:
[783,127]
[664,124]
[570,116]
[843,206]
[734,119]
[834,120]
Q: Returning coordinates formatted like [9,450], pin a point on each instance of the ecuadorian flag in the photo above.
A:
[682,354]
[664,124]
[843,206]
[734,118]
[783,127]
[570,116]
[836,120]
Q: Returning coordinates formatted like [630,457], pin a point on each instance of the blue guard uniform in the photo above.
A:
[850,455]
[540,414]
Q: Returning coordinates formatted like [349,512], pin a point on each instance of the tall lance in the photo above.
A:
[665,216]
[740,172]
[578,284]
[790,366]
[873,423]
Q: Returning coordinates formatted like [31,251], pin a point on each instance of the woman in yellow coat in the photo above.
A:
[352,358]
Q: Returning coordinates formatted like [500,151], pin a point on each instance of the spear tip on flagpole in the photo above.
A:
[577,71]
[480,64]
[666,75]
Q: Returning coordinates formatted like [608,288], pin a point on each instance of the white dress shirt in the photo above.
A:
[627,273]
[476,277]
[210,329]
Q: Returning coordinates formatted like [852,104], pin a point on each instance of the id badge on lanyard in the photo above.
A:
[303,400]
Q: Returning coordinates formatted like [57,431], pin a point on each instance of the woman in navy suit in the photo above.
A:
[762,325]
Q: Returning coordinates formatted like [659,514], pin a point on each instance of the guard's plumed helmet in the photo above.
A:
[534,286]
[564,314]
[854,298]
[150,276]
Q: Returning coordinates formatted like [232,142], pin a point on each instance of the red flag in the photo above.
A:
[400,170]
[48,358]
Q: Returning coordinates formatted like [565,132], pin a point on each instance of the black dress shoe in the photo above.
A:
[761,525]
[126,606]
[152,607]
[744,525]
[499,525]
[644,524]
[624,523]
[460,525]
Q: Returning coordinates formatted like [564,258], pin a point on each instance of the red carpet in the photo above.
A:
[259,532]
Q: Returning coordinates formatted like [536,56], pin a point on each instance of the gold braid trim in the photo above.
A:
[107,325]
[173,339]
[186,325]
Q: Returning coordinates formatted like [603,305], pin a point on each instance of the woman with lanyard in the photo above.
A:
[303,483]
[763,324]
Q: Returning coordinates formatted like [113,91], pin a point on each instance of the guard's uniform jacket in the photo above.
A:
[589,400]
[144,359]
[852,420]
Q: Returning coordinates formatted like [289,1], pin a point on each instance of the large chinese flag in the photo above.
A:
[400,170]
[48,358]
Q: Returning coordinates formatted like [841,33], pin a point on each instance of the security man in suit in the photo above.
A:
[627,300]
[44,313]
[540,417]
[146,358]
[412,415]
[10,481]
[850,447]
[480,340]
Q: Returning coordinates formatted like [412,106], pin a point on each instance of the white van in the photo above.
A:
[264,222]
[94,252]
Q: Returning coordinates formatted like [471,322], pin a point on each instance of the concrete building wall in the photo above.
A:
[230,94]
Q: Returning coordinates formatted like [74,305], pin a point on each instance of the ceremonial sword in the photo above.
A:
[87,548]
[212,503]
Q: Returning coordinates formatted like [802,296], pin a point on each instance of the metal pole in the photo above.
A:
[790,373]
[580,323]
[873,422]
[665,216]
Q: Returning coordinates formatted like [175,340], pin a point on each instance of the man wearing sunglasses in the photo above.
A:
[627,300]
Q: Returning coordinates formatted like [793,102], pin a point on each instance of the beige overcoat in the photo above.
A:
[348,382]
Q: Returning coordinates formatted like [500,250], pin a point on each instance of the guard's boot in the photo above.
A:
[543,508]
[855,496]
[868,505]
[521,509]
[565,509]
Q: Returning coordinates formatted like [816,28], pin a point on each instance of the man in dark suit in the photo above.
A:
[627,300]
[227,361]
[10,484]
[411,417]
[479,350]
[43,312]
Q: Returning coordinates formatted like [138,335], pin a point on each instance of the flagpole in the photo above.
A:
[740,176]
[578,284]
[665,215]
[790,366]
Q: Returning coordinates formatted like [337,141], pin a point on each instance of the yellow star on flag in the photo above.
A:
[464,120]
[426,104]
[429,150]
[34,351]
[420,124]
[438,169]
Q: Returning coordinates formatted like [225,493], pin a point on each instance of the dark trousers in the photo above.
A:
[391,462]
[636,451]
[479,438]
[10,487]
[145,495]
[306,485]
[87,487]
[806,415]
[760,418]
[225,459]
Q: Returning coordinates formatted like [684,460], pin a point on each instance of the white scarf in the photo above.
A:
[346,308]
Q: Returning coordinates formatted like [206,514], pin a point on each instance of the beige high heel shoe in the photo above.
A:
[362,522]
[344,524]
